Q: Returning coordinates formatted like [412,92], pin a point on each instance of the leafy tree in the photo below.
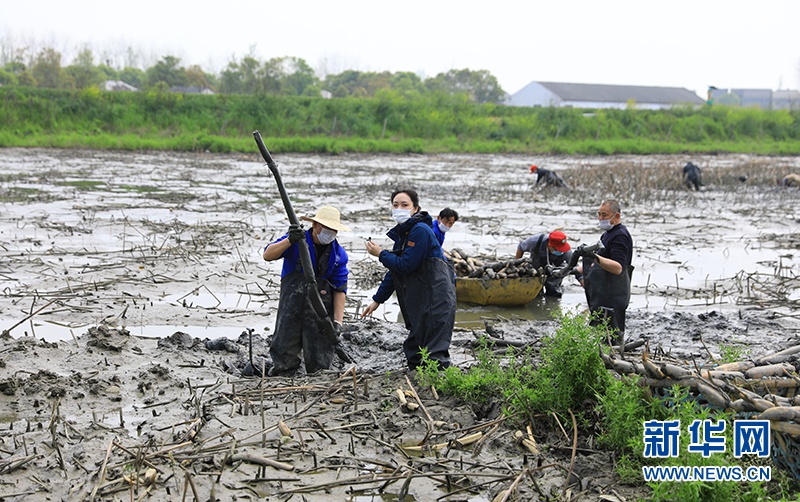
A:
[83,71]
[245,77]
[289,75]
[26,78]
[407,83]
[107,72]
[342,84]
[133,76]
[197,77]
[167,71]
[8,78]
[480,86]
[16,67]
[47,71]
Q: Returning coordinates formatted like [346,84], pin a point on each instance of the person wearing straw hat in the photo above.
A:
[297,327]
[547,249]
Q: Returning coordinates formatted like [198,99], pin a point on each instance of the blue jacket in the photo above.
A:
[414,242]
[336,272]
[438,233]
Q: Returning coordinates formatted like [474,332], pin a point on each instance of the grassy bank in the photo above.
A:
[224,123]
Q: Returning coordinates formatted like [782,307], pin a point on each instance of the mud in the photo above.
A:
[133,285]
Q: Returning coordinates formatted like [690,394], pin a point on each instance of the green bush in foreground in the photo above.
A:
[568,374]
[565,372]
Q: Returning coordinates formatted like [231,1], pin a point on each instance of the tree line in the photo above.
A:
[387,122]
[283,76]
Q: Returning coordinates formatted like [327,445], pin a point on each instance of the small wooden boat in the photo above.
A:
[506,292]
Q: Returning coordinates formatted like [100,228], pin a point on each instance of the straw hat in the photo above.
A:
[328,216]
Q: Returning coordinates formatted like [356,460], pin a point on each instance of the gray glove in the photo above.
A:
[296,234]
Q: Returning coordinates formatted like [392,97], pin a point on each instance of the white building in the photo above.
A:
[561,94]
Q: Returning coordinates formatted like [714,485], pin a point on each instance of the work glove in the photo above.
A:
[296,234]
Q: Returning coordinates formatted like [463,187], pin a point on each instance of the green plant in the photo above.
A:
[565,373]
[732,353]
[571,370]
[625,406]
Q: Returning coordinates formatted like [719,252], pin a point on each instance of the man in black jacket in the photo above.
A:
[606,275]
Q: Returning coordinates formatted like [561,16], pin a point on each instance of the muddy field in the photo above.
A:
[123,272]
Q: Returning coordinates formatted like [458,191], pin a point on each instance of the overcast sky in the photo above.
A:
[680,43]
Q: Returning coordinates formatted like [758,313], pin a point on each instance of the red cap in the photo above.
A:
[533,169]
[558,241]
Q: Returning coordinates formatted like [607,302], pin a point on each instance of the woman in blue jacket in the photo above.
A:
[423,282]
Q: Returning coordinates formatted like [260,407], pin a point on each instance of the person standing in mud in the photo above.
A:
[606,276]
[297,327]
[547,249]
[423,282]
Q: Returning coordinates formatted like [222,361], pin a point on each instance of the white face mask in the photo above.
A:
[443,228]
[326,235]
[401,215]
[605,225]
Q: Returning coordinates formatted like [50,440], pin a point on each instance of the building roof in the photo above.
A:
[621,93]
[118,85]
[191,89]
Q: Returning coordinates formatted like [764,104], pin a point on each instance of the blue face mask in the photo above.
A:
[558,253]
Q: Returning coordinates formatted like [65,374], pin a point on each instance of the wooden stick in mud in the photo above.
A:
[355,390]
[259,460]
[574,452]
[416,396]
[327,391]
[102,476]
[29,316]
[511,489]
[9,465]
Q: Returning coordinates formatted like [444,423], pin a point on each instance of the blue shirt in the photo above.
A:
[336,271]
[438,233]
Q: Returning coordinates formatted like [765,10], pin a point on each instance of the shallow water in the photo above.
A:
[164,242]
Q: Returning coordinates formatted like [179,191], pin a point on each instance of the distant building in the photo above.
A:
[118,85]
[766,99]
[191,89]
[786,100]
[561,94]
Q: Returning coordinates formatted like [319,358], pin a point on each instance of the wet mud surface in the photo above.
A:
[133,284]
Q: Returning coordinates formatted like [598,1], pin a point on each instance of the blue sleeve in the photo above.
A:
[340,272]
[285,236]
[415,252]
[386,288]
[437,232]
[290,256]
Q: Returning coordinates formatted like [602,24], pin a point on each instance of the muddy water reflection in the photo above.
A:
[160,242]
